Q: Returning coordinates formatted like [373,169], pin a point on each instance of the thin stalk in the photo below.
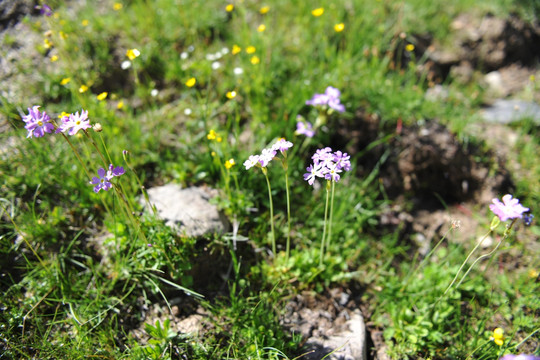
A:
[143,190]
[77,155]
[331,214]
[288,212]
[97,149]
[325,220]
[265,172]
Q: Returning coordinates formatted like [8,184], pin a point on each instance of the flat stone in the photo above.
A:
[189,210]
[349,344]
[507,111]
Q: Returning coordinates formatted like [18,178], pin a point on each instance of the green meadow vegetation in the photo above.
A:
[185,92]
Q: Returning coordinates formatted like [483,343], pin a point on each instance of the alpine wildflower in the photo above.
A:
[229,7]
[264,10]
[65,81]
[102,96]
[261,28]
[304,128]
[339,27]
[498,336]
[317,12]
[103,180]
[83,89]
[132,54]
[37,123]
[231,94]
[255,60]
[509,208]
[235,49]
[330,99]
[229,164]
[191,82]
[250,49]
[74,122]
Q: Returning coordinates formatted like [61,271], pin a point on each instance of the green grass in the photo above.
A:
[76,271]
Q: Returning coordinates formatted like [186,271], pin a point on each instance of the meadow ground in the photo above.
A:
[379,202]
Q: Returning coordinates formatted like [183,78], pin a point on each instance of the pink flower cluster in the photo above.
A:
[268,154]
[38,123]
[327,165]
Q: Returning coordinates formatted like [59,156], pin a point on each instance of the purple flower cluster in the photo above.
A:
[103,182]
[304,128]
[520,357]
[508,209]
[37,123]
[327,165]
[330,98]
[74,122]
[268,154]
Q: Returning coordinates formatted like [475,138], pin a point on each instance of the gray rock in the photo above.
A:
[11,11]
[348,344]
[187,210]
[508,111]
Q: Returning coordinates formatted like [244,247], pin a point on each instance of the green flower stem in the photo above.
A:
[265,172]
[143,190]
[97,149]
[285,165]
[77,155]
[325,220]
[331,215]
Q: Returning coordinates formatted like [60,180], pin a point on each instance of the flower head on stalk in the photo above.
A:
[328,165]
[304,128]
[282,145]
[103,180]
[520,357]
[252,161]
[37,123]
[509,208]
[266,156]
[74,123]
[330,99]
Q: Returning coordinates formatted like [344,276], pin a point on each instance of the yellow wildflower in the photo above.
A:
[533,273]
[102,96]
[219,139]
[64,81]
[47,44]
[63,115]
[498,337]
[264,9]
[213,153]
[231,94]
[120,105]
[255,60]
[117,6]
[261,28]
[63,35]
[236,49]
[83,89]
[132,54]
[250,49]
[229,7]
[191,82]
[409,47]
[532,78]
[211,135]
[229,164]
[54,58]
[317,12]
[339,27]
[85,22]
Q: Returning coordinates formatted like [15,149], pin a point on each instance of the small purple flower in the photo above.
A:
[44,9]
[323,155]
[266,156]
[105,177]
[74,123]
[508,209]
[282,145]
[332,172]
[116,171]
[313,171]
[342,160]
[37,123]
[520,357]
[528,219]
[252,161]
[103,182]
[330,98]
[304,128]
